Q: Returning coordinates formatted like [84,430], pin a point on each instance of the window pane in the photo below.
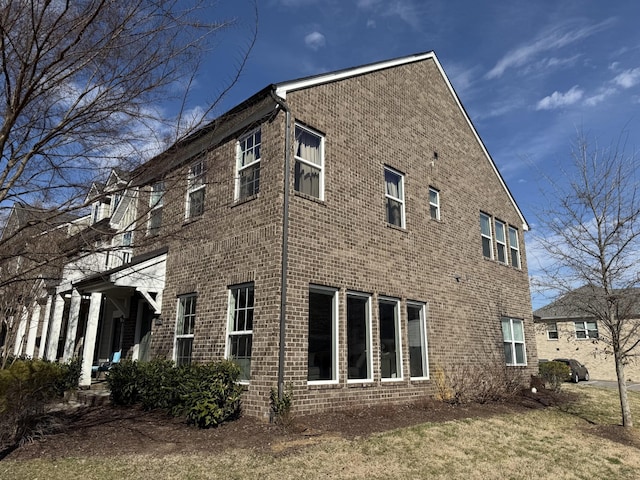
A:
[308,146]
[250,181]
[358,337]
[321,336]
[417,341]
[241,354]
[155,221]
[506,330]
[508,353]
[518,332]
[196,203]
[486,247]
[485,225]
[307,179]
[241,320]
[393,183]
[389,351]
[520,356]
[183,350]
[394,212]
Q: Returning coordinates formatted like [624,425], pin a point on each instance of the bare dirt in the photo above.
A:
[92,431]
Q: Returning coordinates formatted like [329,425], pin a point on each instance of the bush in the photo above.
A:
[281,407]
[206,394]
[27,388]
[554,373]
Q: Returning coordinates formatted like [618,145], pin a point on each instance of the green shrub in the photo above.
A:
[27,388]
[123,380]
[281,407]
[554,373]
[70,376]
[158,382]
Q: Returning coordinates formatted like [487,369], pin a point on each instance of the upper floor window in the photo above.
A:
[195,189]
[514,247]
[240,328]
[513,340]
[434,203]
[487,236]
[552,331]
[586,330]
[248,165]
[394,197]
[309,157]
[185,326]
[156,201]
[501,241]
[127,238]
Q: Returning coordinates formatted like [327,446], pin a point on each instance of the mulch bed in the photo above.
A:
[94,431]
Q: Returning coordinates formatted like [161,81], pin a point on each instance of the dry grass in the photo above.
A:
[576,442]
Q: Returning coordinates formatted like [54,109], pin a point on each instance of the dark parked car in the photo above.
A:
[578,370]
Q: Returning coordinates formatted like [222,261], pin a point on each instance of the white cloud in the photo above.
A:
[600,97]
[628,78]
[550,39]
[558,100]
[315,40]
[405,10]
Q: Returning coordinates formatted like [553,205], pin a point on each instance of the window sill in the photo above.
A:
[190,220]
[395,227]
[392,380]
[323,385]
[309,197]
[363,383]
[242,201]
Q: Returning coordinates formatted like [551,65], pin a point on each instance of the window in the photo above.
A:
[394,197]
[359,362]
[156,201]
[323,340]
[586,330]
[514,247]
[501,241]
[241,302]
[552,331]
[390,347]
[309,168]
[513,338]
[248,166]
[195,189]
[487,238]
[417,332]
[127,238]
[434,203]
[184,329]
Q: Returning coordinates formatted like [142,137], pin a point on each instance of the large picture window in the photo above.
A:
[248,165]
[390,345]
[241,304]
[184,329]
[394,197]
[196,189]
[309,167]
[513,339]
[323,343]
[417,333]
[359,362]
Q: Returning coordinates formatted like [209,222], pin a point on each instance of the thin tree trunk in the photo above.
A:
[627,421]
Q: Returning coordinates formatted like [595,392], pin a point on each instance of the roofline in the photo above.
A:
[281,89]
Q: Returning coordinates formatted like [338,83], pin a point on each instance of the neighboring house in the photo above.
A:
[564,331]
[346,234]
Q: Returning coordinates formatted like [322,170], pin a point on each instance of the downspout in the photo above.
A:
[285,241]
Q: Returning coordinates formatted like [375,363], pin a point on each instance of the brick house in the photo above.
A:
[565,330]
[346,233]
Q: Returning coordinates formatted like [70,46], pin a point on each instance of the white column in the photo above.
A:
[56,324]
[72,327]
[22,330]
[45,327]
[90,339]
[33,331]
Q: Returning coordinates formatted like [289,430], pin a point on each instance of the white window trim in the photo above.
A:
[400,200]
[548,330]
[311,164]
[502,243]
[490,236]
[191,189]
[423,337]
[155,206]
[176,336]
[398,339]
[515,247]
[586,330]
[334,334]
[240,168]
[369,339]
[230,332]
[513,341]
[436,205]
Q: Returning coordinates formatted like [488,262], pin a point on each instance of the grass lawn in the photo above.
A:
[578,441]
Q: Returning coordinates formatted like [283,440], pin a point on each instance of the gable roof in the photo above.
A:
[281,89]
[581,302]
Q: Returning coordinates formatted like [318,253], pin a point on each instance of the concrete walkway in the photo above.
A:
[631,386]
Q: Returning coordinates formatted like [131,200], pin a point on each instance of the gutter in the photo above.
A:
[285,241]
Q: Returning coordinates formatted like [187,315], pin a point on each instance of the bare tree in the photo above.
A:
[87,86]
[592,238]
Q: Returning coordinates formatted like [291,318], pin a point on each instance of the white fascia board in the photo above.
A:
[283,88]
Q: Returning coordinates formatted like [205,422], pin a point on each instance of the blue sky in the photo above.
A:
[530,74]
